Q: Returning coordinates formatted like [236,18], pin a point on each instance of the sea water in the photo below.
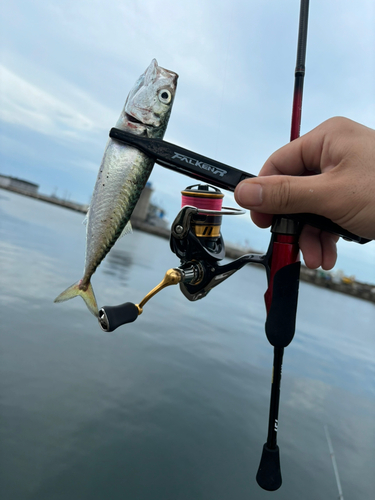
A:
[175,405]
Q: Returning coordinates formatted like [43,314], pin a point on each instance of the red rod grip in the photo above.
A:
[285,251]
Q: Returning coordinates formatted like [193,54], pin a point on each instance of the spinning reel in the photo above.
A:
[197,241]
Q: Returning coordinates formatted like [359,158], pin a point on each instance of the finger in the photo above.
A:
[297,157]
[318,248]
[329,250]
[284,194]
[311,247]
[261,220]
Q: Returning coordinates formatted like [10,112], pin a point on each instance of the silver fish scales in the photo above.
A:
[123,173]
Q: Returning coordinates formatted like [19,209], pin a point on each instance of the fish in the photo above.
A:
[123,174]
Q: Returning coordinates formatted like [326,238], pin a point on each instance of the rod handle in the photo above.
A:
[282,311]
[269,472]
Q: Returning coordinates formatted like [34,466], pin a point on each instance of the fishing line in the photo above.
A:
[204,197]
[200,197]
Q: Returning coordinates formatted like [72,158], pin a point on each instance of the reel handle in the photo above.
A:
[111,317]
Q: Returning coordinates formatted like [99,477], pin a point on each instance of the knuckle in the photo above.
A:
[282,196]
[337,121]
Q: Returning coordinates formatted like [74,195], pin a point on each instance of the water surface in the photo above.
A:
[175,405]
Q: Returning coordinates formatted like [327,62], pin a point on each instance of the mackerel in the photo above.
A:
[123,173]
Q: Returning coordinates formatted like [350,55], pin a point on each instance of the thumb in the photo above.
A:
[283,194]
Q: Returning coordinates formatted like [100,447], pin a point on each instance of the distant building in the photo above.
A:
[9,182]
[156,216]
[146,212]
[140,211]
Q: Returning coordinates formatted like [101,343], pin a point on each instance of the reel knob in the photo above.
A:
[111,317]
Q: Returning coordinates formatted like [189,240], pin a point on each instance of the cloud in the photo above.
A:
[27,105]
[308,394]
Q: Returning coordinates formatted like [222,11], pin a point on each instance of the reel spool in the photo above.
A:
[195,232]
[205,227]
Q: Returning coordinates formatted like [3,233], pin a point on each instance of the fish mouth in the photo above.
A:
[135,120]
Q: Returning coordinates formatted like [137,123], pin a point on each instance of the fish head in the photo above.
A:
[149,103]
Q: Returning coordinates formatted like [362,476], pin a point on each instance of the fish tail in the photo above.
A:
[87,295]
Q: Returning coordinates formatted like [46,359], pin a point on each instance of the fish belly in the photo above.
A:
[122,176]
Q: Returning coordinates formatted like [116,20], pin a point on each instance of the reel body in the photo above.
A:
[196,237]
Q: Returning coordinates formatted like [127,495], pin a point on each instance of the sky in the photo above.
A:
[66,68]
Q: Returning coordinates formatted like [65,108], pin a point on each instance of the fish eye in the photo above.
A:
[164,96]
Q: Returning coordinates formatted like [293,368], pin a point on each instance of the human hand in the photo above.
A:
[342,153]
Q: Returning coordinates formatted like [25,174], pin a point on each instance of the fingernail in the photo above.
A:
[249,194]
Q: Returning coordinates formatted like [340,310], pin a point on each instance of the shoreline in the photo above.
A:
[364,291]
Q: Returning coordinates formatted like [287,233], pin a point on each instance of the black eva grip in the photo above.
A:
[281,318]
[111,317]
[269,472]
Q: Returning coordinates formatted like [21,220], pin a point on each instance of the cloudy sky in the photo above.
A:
[66,68]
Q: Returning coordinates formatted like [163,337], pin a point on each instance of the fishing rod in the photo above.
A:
[197,240]
[285,268]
